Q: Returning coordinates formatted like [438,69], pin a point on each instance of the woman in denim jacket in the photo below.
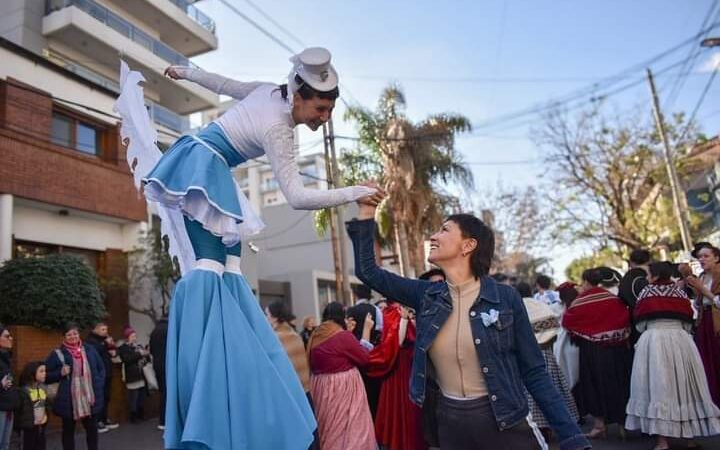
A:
[474,340]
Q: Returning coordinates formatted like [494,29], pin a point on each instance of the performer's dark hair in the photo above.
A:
[70,326]
[593,276]
[524,289]
[280,311]
[543,281]
[640,257]
[27,377]
[473,228]
[336,312]
[307,92]
[362,291]
[663,270]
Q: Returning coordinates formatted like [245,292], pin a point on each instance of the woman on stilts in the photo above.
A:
[230,384]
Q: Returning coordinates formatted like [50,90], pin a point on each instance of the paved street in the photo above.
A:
[146,437]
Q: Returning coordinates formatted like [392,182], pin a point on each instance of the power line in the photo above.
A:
[269,18]
[693,55]
[700,101]
[259,27]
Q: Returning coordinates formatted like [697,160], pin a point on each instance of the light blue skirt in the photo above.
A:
[194,175]
[230,384]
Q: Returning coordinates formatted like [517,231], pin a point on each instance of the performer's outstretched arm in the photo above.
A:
[216,83]
[278,144]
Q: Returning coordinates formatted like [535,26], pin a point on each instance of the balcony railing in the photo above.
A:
[195,14]
[158,114]
[123,27]
[167,118]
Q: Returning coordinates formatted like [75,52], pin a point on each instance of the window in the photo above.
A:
[73,132]
[29,249]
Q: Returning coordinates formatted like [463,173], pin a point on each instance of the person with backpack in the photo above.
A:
[32,381]
[80,374]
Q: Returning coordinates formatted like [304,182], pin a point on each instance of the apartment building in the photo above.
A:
[64,181]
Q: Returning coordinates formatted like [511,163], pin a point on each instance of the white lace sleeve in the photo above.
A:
[278,144]
[218,83]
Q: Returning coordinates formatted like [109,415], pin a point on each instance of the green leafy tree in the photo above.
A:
[605,257]
[609,182]
[50,292]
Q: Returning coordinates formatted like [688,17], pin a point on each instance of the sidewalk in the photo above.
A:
[146,436]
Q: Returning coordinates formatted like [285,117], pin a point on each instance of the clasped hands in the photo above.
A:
[369,203]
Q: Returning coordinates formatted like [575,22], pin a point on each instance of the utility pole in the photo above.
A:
[333,230]
[337,179]
[675,187]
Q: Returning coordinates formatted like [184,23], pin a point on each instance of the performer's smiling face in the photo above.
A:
[312,112]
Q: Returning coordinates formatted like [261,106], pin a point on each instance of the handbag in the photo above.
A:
[52,388]
[150,377]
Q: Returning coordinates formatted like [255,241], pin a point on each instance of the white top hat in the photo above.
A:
[313,66]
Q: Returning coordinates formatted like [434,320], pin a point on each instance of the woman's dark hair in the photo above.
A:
[568,293]
[432,273]
[307,92]
[640,257]
[473,228]
[279,310]
[70,326]
[27,377]
[663,270]
[701,245]
[336,312]
[609,277]
[524,289]
[592,276]
[543,281]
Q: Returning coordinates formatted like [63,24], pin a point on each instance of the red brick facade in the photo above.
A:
[32,167]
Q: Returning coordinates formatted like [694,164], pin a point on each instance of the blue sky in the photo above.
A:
[482,59]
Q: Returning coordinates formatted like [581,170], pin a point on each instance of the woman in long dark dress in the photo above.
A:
[600,325]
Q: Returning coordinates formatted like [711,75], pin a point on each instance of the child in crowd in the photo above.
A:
[32,381]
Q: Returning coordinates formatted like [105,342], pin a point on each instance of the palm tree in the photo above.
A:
[414,162]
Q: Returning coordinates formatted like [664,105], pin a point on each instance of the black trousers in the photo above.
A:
[91,433]
[471,425]
[103,416]
[160,373]
[34,438]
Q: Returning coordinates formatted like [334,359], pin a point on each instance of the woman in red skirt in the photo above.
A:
[707,303]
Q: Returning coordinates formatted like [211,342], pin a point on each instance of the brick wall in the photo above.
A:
[32,167]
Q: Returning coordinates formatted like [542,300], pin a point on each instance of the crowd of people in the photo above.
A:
[74,382]
[457,359]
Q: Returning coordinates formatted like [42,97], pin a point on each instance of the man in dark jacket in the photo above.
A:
[103,343]
[158,344]
[633,282]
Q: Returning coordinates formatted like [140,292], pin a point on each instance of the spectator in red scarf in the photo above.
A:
[81,374]
[600,324]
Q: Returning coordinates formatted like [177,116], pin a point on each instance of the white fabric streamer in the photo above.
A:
[142,156]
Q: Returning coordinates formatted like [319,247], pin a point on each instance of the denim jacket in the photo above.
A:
[509,354]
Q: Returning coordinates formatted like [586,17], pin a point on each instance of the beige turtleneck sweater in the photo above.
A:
[453,353]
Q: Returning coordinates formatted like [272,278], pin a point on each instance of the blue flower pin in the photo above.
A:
[490,317]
